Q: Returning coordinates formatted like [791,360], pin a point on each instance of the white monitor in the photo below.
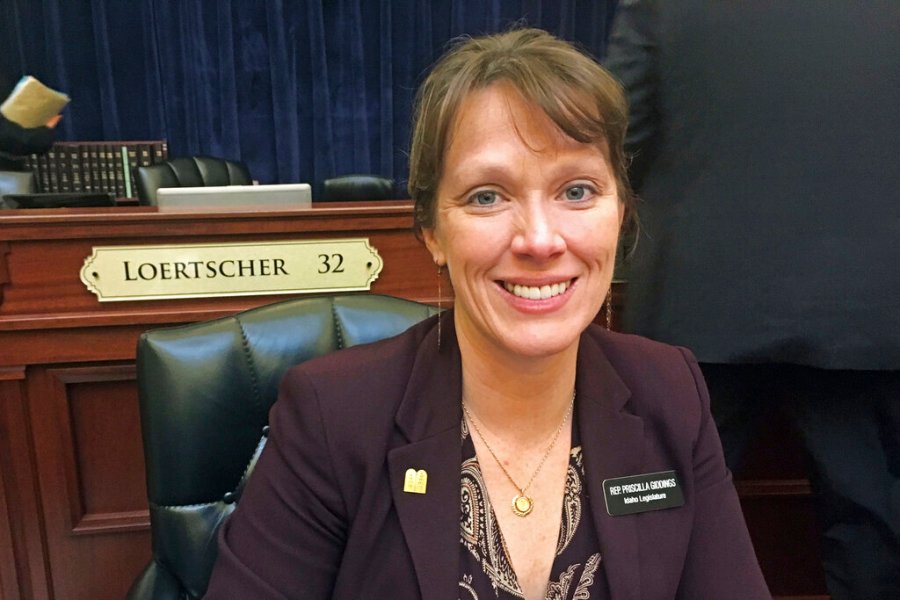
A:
[231,197]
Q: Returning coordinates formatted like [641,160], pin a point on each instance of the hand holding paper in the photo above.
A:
[32,104]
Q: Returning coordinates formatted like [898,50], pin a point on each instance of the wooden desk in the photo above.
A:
[73,517]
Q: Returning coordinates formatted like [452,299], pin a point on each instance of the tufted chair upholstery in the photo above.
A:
[358,187]
[205,390]
[194,171]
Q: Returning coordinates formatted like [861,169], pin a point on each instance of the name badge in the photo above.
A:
[641,493]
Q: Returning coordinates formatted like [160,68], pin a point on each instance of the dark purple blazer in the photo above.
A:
[325,514]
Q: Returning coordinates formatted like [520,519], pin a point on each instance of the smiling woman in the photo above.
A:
[527,223]
[528,426]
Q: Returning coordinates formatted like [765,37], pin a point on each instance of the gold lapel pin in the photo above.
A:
[415,482]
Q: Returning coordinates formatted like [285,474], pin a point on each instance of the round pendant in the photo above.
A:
[522,505]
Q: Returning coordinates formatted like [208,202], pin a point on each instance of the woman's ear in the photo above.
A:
[434,246]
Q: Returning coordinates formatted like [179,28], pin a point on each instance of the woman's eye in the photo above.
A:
[577,192]
[484,198]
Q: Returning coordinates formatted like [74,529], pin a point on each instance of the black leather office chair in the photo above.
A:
[194,171]
[205,390]
[358,187]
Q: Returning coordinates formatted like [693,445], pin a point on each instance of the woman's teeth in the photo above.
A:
[530,292]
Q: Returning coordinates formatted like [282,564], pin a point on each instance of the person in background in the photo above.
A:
[507,448]
[17,142]
[765,138]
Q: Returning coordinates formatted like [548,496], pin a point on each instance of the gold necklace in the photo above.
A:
[522,503]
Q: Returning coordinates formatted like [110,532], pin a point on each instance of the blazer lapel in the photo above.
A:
[612,442]
[429,418]
[430,521]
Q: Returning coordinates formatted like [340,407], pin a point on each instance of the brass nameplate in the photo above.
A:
[122,273]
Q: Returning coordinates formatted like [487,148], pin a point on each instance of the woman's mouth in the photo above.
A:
[538,292]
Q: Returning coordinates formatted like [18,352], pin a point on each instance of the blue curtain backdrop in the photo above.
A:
[299,90]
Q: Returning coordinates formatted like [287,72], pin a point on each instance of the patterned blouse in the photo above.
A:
[485,567]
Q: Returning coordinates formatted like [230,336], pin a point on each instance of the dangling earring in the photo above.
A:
[609,308]
[440,305]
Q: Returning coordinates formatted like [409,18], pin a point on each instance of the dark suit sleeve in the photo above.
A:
[632,59]
[720,561]
[19,141]
[287,536]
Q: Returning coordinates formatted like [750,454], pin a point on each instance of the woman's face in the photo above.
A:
[527,222]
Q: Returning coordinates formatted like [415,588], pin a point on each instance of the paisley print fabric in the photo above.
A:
[485,568]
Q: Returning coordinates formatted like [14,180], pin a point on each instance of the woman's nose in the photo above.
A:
[538,234]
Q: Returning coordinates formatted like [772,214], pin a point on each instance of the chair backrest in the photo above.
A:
[194,171]
[358,187]
[205,391]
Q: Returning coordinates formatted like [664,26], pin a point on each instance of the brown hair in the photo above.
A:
[582,98]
